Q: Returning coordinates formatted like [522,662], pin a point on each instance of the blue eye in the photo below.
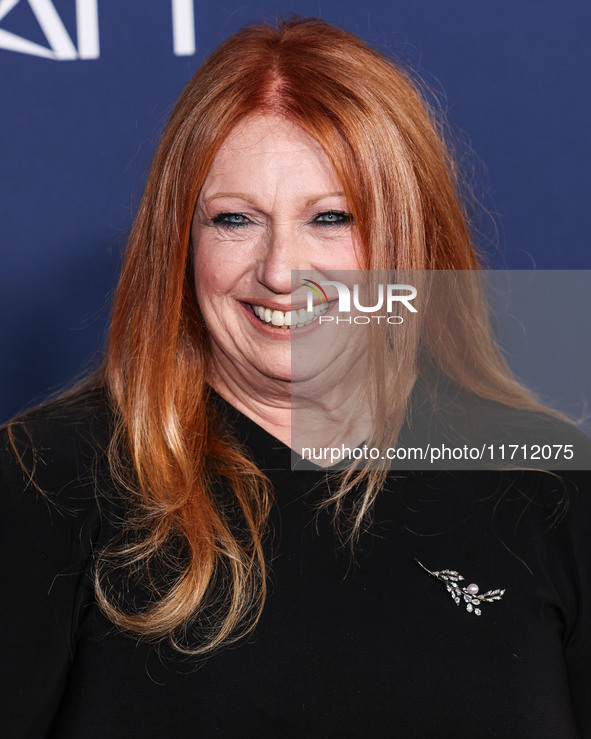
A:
[230,220]
[333,218]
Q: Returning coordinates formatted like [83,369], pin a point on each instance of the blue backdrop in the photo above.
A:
[86,86]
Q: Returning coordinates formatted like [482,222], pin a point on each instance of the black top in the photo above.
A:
[375,648]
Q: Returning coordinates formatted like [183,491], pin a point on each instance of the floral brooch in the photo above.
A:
[469,594]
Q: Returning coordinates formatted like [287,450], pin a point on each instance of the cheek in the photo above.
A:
[220,265]
[357,254]
[210,285]
[215,276]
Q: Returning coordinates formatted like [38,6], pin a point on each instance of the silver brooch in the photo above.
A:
[469,593]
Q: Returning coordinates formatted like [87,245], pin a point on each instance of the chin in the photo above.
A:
[276,372]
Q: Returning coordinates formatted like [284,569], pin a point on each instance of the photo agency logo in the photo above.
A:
[388,298]
[61,47]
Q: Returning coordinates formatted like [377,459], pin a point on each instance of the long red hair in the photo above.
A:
[169,451]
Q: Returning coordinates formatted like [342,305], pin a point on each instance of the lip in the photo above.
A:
[273,332]
[277,306]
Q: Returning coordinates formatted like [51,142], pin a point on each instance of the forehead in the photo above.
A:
[267,141]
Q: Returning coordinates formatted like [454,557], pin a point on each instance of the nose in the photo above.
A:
[281,253]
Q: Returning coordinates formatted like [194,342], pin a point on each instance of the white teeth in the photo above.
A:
[278,318]
[291,318]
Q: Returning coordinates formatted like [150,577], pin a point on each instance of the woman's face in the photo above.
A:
[271,203]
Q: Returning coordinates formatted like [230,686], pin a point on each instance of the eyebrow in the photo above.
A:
[244,196]
[238,195]
[314,200]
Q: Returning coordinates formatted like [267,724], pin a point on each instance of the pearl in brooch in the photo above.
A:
[451,579]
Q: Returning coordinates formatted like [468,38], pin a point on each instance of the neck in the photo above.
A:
[298,414]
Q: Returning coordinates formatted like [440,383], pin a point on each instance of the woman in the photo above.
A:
[168,574]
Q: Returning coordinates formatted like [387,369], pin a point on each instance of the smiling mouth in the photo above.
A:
[289,319]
